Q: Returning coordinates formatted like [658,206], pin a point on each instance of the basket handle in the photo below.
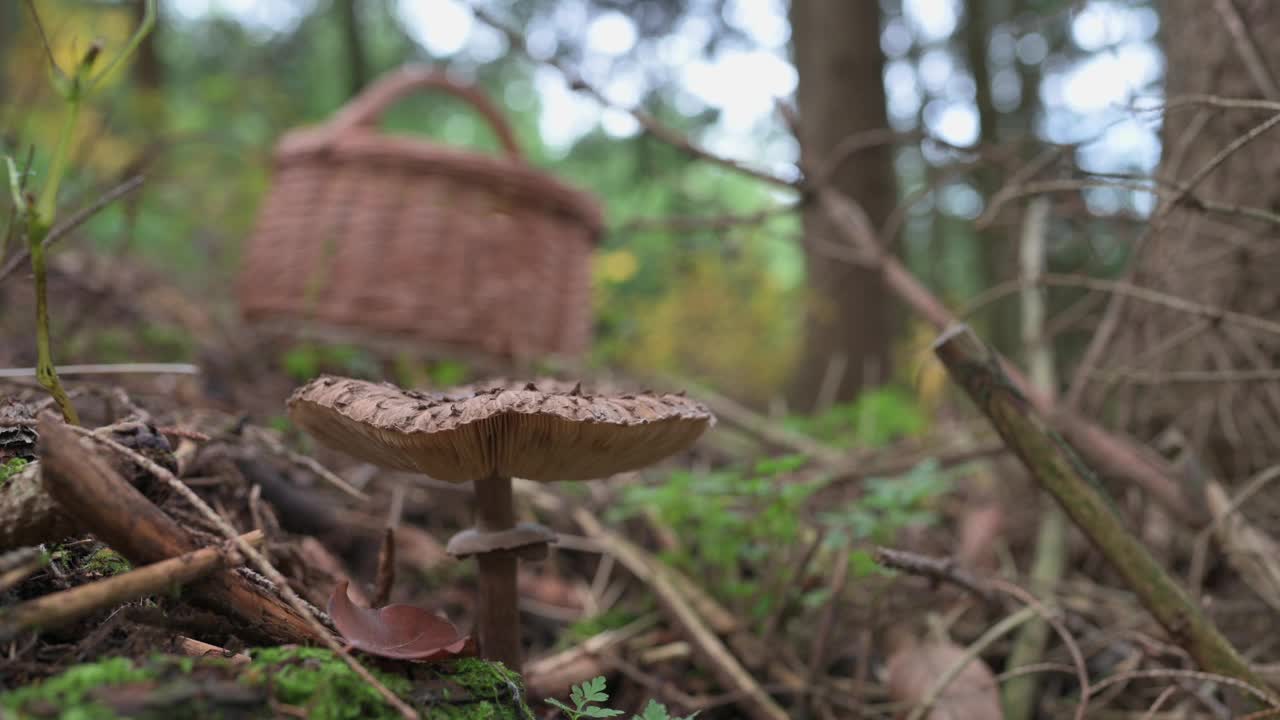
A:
[366,108]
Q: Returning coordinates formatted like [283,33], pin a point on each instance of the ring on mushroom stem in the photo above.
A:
[487,436]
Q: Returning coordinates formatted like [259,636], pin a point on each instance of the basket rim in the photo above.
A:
[304,144]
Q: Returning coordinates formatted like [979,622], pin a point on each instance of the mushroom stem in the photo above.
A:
[498,616]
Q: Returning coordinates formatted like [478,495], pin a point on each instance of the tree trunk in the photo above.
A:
[996,246]
[357,67]
[1220,259]
[848,320]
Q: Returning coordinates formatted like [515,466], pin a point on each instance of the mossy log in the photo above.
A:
[279,682]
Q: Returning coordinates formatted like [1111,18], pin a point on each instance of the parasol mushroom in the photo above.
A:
[486,436]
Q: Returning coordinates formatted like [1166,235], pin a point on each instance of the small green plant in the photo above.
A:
[588,697]
[36,213]
[878,417]
[582,696]
[10,468]
[307,360]
[733,522]
[888,506]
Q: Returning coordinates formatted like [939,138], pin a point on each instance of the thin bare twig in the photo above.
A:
[110,369]
[1234,146]
[308,463]
[1175,673]
[650,124]
[77,219]
[936,569]
[1135,292]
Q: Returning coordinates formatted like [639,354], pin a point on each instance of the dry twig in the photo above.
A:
[60,608]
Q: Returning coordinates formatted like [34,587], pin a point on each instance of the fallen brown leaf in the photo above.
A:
[915,667]
[401,632]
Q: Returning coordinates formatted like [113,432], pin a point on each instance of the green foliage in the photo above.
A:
[888,506]
[11,467]
[588,697]
[611,619]
[731,520]
[657,711]
[875,419]
[305,361]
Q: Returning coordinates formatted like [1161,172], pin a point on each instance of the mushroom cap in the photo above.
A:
[545,432]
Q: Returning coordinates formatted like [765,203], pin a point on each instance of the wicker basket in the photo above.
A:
[393,236]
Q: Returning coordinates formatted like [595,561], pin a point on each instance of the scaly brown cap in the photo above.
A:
[544,432]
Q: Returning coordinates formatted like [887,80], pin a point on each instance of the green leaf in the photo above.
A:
[653,711]
[593,690]
[599,712]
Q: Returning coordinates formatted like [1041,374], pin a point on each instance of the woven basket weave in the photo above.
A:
[385,235]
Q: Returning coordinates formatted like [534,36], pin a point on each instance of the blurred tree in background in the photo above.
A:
[703,272]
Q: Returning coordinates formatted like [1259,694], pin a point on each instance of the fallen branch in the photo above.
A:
[1059,471]
[57,609]
[119,515]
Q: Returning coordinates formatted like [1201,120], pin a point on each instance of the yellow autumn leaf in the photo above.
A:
[927,373]
[615,266]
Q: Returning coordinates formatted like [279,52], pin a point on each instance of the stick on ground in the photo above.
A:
[1058,470]
[119,515]
[60,608]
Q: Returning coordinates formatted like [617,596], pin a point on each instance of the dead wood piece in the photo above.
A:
[194,648]
[1059,471]
[28,516]
[89,491]
[60,608]
[754,701]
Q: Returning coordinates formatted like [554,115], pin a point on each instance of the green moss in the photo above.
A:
[106,562]
[11,468]
[66,694]
[321,683]
[313,679]
[492,688]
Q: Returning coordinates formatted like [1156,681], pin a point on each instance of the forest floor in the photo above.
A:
[747,577]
